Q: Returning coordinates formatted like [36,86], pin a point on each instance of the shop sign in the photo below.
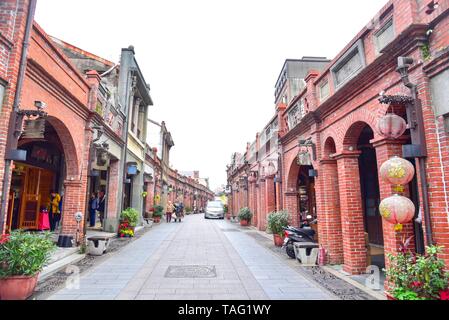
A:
[304,159]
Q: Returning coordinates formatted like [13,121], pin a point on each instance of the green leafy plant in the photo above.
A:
[25,253]
[276,221]
[131,216]
[245,214]
[158,211]
[417,277]
[425,51]
[225,209]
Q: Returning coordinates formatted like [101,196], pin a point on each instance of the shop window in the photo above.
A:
[349,65]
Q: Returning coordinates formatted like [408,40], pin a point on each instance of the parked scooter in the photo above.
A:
[292,235]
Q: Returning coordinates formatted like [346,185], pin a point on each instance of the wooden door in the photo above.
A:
[31,199]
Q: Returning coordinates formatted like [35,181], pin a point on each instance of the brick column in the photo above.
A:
[111,219]
[270,198]
[291,205]
[328,211]
[252,198]
[353,229]
[386,149]
[262,186]
[72,203]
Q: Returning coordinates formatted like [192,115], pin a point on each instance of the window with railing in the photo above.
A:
[293,117]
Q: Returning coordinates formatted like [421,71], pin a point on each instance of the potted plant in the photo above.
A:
[23,255]
[128,222]
[157,214]
[226,212]
[417,277]
[245,216]
[276,222]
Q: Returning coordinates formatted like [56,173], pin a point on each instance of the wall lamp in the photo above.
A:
[432,6]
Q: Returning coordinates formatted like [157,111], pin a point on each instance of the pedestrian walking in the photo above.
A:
[179,211]
[101,206]
[53,209]
[93,207]
[170,209]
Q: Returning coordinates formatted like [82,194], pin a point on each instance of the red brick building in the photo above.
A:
[331,156]
[55,161]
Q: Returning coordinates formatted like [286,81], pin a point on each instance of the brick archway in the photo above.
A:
[68,145]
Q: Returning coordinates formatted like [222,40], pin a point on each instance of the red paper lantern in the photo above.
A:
[392,126]
[397,171]
[397,210]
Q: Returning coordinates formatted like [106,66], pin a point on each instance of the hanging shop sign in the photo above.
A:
[34,129]
[304,159]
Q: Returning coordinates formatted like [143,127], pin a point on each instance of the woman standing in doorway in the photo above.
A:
[54,211]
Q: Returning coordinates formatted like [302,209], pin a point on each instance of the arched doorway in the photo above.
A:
[32,180]
[306,193]
[300,196]
[370,192]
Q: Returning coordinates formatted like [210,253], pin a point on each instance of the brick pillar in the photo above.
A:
[328,211]
[354,250]
[111,219]
[73,202]
[278,196]
[252,207]
[270,193]
[262,186]
[386,149]
[291,205]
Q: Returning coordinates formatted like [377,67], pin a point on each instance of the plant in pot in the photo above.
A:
[226,212]
[157,214]
[128,222]
[417,277]
[276,222]
[245,216]
[23,255]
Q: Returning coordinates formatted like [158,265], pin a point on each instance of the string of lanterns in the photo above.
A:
[397,171]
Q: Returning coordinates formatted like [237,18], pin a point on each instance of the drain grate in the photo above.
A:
[337,286]
[230,230]
[191,272]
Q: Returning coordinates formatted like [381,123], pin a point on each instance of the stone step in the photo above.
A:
[60,264]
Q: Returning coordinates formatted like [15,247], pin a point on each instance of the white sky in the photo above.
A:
[212,65]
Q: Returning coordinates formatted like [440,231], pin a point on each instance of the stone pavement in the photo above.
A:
[197,259]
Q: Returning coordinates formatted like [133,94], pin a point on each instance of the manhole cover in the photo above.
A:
[191,272]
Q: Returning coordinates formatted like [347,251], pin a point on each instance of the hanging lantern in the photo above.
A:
[252,179]
[397,210]
[391,126]
[398,172]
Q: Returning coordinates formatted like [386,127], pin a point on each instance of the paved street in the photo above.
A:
[195,259]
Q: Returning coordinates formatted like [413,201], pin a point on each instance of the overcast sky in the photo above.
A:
[212,65]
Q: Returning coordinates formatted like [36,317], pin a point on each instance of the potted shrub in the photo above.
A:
[226,212]
[276,222]
[157,214]
[128,222]
[23,255]
[245,216]
[417,277]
